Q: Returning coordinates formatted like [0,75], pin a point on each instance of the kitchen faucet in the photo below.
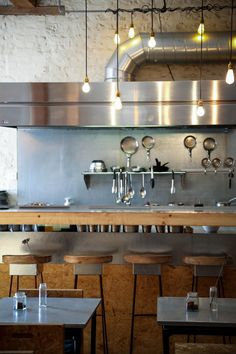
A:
[231,200]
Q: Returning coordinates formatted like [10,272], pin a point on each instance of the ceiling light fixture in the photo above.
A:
[200,107]
[230,73]
[201,27]
[131,33]
[117,102]
[86,85]
[152,41]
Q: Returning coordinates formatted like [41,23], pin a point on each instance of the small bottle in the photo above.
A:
[19,301]
[43,295]
[192,301]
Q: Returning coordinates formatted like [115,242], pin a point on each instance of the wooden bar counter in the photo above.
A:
[133,215]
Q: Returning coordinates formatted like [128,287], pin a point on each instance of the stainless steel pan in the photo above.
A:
[148,143]
[209,144]
[129,145]
[190,142]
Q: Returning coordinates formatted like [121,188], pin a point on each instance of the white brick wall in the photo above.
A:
[51,49]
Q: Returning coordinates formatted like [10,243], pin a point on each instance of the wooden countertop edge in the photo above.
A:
[195,218]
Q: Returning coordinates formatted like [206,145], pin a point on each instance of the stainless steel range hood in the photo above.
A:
[162,104]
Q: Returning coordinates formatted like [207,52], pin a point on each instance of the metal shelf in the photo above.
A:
[88,174]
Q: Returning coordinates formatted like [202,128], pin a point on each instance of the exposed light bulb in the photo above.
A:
[117,38]
[201,28]
[200,109]
[131,33]
[152,42]
[86,87]
[230,74]
[117,102]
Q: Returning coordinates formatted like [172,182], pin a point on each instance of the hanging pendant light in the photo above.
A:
[131,33]
[117,101]
[201,27]
[152,40]
[86,85]
[200,107]
[230,73]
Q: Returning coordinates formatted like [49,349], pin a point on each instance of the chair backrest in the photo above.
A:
[72,293]
[37,339]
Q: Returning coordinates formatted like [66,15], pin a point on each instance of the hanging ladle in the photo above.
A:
[209,144]
[148,143]
[190,142]
[129,146]
[142,191]
[229,163]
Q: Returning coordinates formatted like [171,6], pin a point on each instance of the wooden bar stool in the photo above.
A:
[208,265]
[145,264]
[92,265]
[27,265]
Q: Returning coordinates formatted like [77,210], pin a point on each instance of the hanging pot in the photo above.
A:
[190,142]
[209,144]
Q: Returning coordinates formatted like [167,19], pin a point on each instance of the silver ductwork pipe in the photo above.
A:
[171,48]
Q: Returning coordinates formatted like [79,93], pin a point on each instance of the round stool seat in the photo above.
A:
[26,259]
[209,260]
[88,259]
[147,258]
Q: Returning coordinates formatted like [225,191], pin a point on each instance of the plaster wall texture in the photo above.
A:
[52,49]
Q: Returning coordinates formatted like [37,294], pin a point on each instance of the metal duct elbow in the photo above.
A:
[171,48]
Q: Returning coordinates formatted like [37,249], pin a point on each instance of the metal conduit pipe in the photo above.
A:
[171,48]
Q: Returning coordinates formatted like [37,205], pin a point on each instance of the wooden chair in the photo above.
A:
[71,293]
[144,264]
[37,339]
[25,264]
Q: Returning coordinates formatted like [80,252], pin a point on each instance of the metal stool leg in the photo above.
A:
[17,282]
[10,289]
[75,281]
[104,327]
[133,314]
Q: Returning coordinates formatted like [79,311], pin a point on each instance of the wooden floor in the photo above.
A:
[118,296]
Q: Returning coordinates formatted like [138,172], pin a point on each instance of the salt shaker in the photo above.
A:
[43,295]
[19,301]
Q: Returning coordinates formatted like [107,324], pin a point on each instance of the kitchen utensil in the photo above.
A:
[229,162]
[126,197]
[206,163]
[113,189]
[159,167]
[97,166]
[209,144]
[143,191]
[148,143]
[131,190]
[190,142]
[216,163]
[129,146]
[172,189]
[152,181]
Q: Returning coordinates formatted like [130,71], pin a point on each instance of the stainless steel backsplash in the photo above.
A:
[51,162]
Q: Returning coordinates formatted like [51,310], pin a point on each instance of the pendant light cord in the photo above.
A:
[117,45]
[152,16]
[200,89]
[86,38]
[231,30]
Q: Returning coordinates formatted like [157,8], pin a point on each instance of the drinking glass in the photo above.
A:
[213,298]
